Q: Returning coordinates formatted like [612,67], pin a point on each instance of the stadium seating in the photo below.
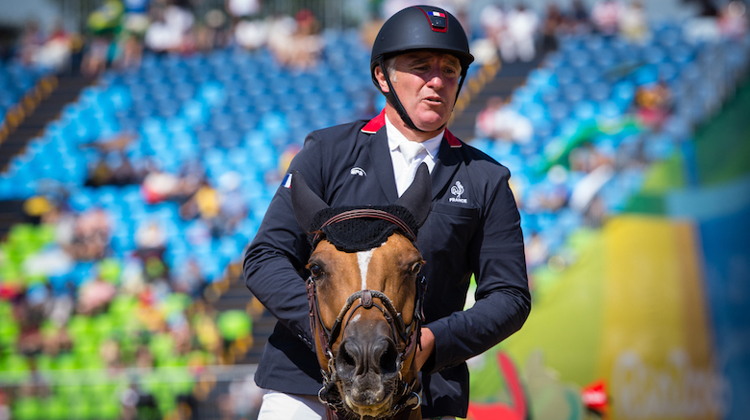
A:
[589,84]
[16,80]
[236,111]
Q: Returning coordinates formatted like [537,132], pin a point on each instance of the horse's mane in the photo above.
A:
[361,233]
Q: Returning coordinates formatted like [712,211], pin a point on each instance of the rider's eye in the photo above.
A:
[316,271]
[416,268]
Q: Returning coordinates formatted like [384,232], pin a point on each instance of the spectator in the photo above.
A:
[211,31]
[251,34]
[295,41]
[30,42]
[606,15]
[493,23]
[499,121]
[56,51]
[131,52]
[282,28]
[94,296]
[205,204]
[188,278]
[113,168]
[135,24]
[241,10]
[369,29]
[554,22]
[191,177]
[103,23]
[653,104]
[518,41]
[159,186]
[136,16]
[233,209]
[163,35]
[579,18]
[91,235]
[28,311]
[733,20]
[306,40]
[633,24]
[150,240]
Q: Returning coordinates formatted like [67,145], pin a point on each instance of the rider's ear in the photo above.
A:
[305,202]
[418,197]
[380,78]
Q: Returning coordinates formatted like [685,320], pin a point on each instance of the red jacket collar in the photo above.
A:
[378,122]
[375,124]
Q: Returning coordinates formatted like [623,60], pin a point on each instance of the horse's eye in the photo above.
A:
[316,271]
[416,268]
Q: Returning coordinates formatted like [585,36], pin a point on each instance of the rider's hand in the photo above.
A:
[428,344]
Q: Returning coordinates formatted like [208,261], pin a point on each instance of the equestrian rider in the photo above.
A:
[419,62]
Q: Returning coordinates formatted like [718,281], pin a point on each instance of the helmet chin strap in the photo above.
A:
[392,97]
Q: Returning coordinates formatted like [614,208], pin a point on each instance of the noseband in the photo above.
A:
[407,394]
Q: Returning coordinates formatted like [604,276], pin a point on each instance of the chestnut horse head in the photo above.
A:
[365,293]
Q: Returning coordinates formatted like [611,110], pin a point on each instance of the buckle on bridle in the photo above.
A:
[417,403]
[320,395]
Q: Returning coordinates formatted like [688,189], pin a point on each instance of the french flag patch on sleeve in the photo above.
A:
[287,182]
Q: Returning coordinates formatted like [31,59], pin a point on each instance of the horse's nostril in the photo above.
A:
[389,358]
[345,357]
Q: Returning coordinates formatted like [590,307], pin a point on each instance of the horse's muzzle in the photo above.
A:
[368,364]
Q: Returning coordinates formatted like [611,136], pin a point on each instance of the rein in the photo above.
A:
[408,394]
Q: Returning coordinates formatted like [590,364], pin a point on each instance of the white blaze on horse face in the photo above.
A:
[364,258]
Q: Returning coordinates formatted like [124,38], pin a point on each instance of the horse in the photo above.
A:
[365,293]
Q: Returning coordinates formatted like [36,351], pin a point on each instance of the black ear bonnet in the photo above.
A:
[361,233]
[355,229]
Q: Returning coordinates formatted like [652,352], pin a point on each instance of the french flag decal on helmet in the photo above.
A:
[438,20]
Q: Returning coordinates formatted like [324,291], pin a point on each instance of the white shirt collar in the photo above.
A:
[395,138]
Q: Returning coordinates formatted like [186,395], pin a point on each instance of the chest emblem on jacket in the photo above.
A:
[457,190]
[358,171]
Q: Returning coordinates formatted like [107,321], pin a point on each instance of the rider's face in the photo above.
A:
[426,84]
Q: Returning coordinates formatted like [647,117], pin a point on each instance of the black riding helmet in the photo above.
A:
[419,28]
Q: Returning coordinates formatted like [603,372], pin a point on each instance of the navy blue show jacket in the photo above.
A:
[475,232]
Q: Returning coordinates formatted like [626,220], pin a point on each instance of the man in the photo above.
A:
[419,61]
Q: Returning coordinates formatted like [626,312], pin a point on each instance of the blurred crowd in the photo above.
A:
[516,33]
[572,186]
[118,32]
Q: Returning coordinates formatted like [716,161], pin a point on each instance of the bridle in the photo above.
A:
[407,394]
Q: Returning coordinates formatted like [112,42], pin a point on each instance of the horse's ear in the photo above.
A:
[305,202]
[418,197]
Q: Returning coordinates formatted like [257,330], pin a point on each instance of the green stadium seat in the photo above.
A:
[28,408]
